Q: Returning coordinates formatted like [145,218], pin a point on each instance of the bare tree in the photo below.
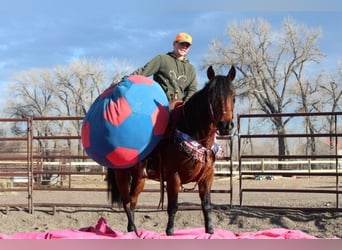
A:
[77,85]
[81,82]
[270,63]
[67,90]
[304,89]
[32,96]
[330,91]
[330,96]
[120,69]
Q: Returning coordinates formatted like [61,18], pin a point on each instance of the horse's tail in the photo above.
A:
[112,189]
[161,181]
[162,192]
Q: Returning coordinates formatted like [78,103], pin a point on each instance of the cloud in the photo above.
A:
[40,33]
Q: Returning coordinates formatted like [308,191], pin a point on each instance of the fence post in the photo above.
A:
[30,164]
[309,164]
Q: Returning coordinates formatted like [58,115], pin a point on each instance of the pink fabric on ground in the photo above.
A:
[102,231]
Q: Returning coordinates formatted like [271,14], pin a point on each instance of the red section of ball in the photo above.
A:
[117,111]
[123,156]
[85,131]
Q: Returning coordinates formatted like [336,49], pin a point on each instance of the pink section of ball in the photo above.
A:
[85,132]
[138,79]
[159,116]
[123,156]
[107,92]
[117,111]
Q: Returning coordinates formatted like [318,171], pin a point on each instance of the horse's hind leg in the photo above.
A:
[137,186]
[172,186]
[204,193]
[122,180]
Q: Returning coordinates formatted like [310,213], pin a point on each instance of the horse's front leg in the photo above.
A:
[172,187]
[204,193]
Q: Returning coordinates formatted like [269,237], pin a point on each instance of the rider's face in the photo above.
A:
[181,49]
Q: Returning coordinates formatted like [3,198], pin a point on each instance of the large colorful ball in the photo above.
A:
[126,122]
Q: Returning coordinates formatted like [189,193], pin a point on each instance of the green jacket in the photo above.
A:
[173,75]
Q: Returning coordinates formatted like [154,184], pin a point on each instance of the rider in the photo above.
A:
[173,71]
[175,74]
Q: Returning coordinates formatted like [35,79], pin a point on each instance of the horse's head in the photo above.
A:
[221,100]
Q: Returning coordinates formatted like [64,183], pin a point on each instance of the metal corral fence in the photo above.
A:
[40,167]
[325,162]
[44,165]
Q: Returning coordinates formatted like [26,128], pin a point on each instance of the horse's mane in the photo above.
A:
[196,117]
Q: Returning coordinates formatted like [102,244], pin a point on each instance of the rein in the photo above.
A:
[212,115]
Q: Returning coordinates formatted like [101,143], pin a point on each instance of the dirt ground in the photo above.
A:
[316,222]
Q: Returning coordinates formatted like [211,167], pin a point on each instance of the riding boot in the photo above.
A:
[144,173]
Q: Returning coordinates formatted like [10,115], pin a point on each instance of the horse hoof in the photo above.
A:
[132,229]
[169,232]
[209,231]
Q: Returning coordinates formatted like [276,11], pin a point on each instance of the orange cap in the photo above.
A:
[183,38]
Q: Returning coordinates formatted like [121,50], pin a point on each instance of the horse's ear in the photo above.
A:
[210,73]
[231,73]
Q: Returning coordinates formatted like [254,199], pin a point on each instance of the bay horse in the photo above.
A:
[186,154]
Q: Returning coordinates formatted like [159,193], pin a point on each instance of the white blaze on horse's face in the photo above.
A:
[228,110]
[226,124]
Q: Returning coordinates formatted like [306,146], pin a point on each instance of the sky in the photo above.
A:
[44,34]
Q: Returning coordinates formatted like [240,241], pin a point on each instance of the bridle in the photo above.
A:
[212,115]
